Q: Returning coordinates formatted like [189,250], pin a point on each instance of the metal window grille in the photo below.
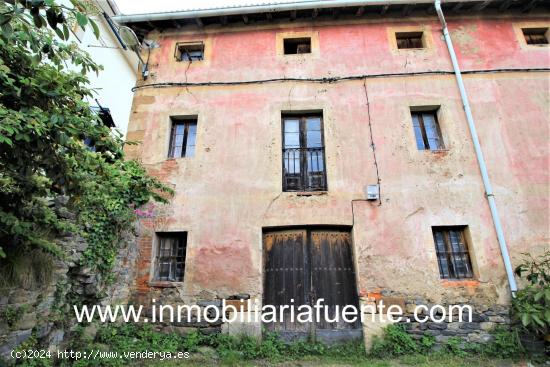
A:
[452,253]
[303,154]
[182,139]
[170,262]
[427,131]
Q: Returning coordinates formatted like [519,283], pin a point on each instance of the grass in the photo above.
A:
[394,349]
[432,360]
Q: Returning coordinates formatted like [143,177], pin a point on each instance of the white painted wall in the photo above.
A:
[113,84]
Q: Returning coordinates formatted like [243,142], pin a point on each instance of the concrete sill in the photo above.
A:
[469,283]
[309,193]
[163,284]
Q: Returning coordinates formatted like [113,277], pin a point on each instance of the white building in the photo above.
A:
[114,83]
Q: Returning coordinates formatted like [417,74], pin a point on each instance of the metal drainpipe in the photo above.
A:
[479,153]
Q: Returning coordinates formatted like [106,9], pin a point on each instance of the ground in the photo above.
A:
[414,360]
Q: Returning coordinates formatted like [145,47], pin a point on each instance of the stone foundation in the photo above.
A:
[484,319]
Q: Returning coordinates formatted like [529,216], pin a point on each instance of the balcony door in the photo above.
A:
[303,153]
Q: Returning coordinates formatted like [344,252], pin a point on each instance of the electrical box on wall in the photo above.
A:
[373,192]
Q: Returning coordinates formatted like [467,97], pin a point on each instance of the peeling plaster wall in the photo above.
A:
[232,188]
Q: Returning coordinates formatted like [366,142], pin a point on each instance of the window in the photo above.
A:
[427,131]
[182,138]
[170,261]
[297,46]
[303,153]
[452,252]
[189,51]
[535,36]
[409,40]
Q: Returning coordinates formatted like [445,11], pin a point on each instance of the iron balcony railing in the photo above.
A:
[304,169]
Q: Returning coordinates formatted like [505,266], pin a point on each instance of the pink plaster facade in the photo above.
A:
[231,189]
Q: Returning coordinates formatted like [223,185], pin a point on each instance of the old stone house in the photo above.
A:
[325,149]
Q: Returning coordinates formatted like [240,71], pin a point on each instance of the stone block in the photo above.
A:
[487,325]
[432,332]
[437,325]
[470,325]
[22,335]
[498,319]
[392,301]
[27,321]
[210,330]
[215,303]
[442,338]
[240,306]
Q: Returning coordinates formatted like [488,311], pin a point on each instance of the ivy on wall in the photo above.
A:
[44,121]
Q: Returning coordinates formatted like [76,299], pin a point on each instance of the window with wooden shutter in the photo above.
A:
[452,252]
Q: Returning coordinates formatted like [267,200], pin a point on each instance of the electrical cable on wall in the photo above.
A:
[373,147]
[333,79]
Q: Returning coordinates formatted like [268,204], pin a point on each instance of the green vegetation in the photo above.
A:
[241,351]
[396,342]
[531,306]
[44,121]
[13,314]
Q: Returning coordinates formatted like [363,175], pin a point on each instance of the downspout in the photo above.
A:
[479,153]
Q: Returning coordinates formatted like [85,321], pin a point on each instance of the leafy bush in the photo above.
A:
[44,122]
[395,342]
[505,344]
[531,306]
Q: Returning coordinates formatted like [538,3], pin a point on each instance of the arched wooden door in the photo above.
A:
[304,265]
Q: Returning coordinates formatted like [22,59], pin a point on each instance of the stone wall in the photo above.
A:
[45,312]
[209,305]
[444,319]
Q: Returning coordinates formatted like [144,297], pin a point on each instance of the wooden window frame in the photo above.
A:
[408,37]
[187,123]
[178,239]
[535,31]
[423,132]
[302,118]
[296,40]
[451,256]
[180,45]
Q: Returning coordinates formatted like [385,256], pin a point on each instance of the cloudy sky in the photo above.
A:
[137,7]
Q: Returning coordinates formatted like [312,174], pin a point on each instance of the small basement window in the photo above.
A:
[170,257]
[409,40]
[452,252]
[189,51]
[294,46]
[535,36]
[426,130]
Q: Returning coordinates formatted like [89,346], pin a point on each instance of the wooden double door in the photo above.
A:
[302,266]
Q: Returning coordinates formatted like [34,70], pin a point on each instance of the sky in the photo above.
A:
[142,6]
